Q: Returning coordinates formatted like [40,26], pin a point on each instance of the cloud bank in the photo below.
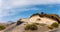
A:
[7,7]
[9,4]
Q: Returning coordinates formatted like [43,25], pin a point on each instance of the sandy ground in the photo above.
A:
[20,28]
[45,20]
[0,31]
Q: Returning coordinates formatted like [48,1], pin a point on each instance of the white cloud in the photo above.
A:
[11,12]
[16,3]
[6,6]
[9,4]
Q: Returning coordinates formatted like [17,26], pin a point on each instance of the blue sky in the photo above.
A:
[12,10]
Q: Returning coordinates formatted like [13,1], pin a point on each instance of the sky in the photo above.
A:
[12,10]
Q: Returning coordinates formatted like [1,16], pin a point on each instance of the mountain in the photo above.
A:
[39,19]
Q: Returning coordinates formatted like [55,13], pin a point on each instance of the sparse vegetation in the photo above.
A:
[31,27]
[35,14]
[27,27]
[2,27]
[36,23]
[50,27]
[55,24]
[52,16]
[19,22]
